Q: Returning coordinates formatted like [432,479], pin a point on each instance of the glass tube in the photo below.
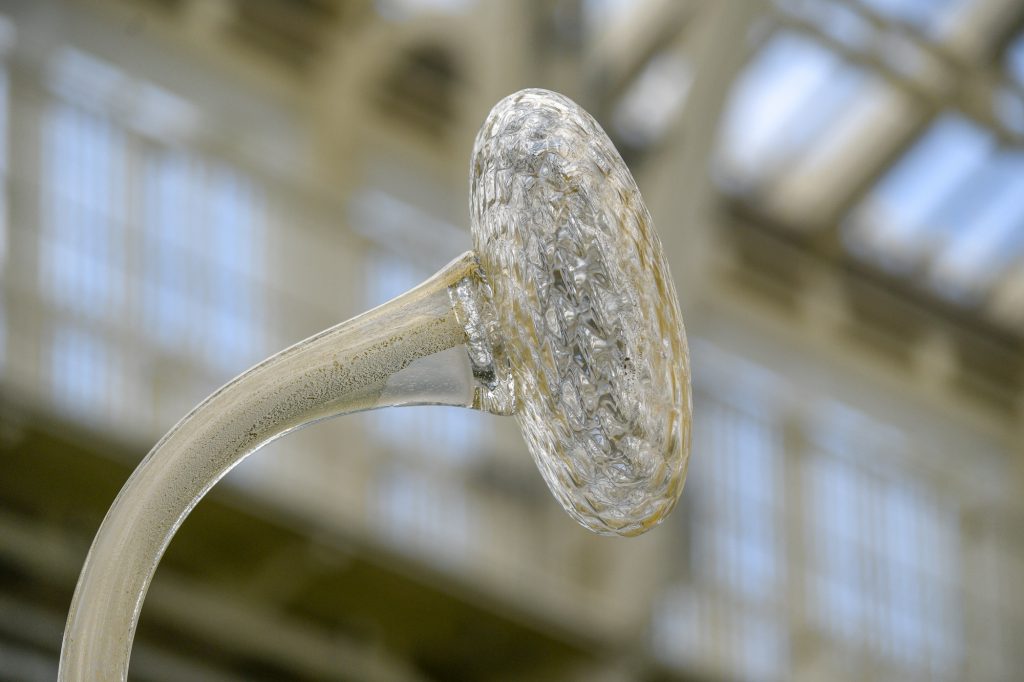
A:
[410,351]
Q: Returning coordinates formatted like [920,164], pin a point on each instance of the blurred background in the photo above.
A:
[190,185]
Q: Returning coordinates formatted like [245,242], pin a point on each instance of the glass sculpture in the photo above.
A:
[564,316]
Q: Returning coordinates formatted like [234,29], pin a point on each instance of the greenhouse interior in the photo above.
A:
[189,186]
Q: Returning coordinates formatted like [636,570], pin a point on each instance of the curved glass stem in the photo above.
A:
[411,350]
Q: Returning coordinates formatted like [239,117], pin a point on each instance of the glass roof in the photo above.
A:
[902,211]
[792,79]
[930,17]
[1015,59]
[843,120]
[987,236]
[652,102]
[793,132]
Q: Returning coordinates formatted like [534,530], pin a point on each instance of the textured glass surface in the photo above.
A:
[590,326]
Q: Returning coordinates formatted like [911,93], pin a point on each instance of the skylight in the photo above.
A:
[786,103]
[815,186]
[950,212]
[901,214]
[929,17]
[987,236]
[653,100]
[1014,60]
